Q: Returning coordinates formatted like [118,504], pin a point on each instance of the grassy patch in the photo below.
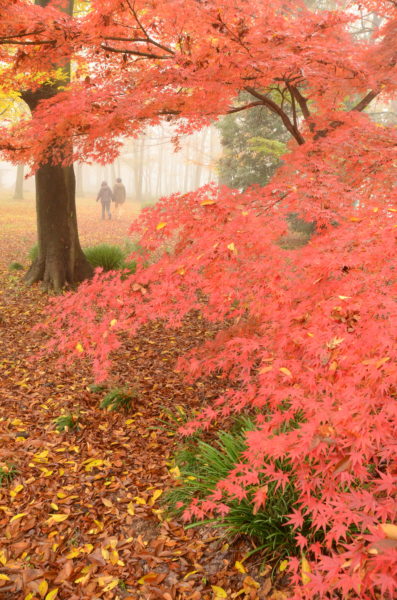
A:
[202,465]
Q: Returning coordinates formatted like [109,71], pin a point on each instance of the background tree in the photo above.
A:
[252,142]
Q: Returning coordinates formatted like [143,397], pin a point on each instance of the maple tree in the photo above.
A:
[60,258]
[309,336]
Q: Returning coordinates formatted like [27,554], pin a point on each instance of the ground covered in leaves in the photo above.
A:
[80,511]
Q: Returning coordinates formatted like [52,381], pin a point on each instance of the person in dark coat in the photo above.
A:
[105,195]
[119,195]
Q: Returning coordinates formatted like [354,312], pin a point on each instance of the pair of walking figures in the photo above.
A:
[107,196]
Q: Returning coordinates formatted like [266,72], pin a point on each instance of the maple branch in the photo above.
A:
[239,108]
[294,131]
[141,27]
[366,100]
[21,35]
[5,41]
[133,52]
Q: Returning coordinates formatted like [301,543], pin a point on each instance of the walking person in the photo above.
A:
[119,195]
[105,195]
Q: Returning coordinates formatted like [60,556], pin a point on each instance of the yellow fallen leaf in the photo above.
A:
[219,592]
[57,518]
[189,574]
[130,509]
[92,463]
[175,472]
[43,588]
[29,596]
[161,225]
[111,585]
[285,371]
[18,516]
[51,595]
[16,490]
[207,202]
[240,567]
[113,322]
[283,565]
[105,553]
[389,530]
[80,349]
[232,248]
[61,495]
[54,506]
[3,558]
[305,570]
[4,577]
[155,496]
[139,500]
[73,553]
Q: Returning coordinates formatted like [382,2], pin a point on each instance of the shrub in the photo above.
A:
[8,472]
[119,399]
[203,466]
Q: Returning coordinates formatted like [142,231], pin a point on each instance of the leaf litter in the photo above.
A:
[82,517]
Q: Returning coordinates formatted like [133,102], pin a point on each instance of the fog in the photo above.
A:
[149,166]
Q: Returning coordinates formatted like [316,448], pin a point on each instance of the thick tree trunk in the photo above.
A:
[60,260]
[18,192]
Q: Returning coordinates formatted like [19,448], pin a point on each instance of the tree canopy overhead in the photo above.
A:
[138,61]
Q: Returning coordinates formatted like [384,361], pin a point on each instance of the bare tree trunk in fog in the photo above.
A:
[79,180]
[160,168]
[200,157]
[18,192]
[187,167]
[112,174]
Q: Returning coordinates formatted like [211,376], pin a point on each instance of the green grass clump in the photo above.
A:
[8,472]
[202,465]
[15,266]
[33,253]
[119,399]
[95,388]
[109,257]
[67,422]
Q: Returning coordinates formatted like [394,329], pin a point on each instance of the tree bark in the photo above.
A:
[61,261]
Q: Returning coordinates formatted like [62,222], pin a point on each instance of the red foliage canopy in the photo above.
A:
[311,331]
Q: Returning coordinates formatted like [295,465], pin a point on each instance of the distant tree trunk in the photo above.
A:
[18,192]
[60,260]
[112,173]
[200,155]
[79,180]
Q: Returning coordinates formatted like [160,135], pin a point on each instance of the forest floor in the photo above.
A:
[82,518]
